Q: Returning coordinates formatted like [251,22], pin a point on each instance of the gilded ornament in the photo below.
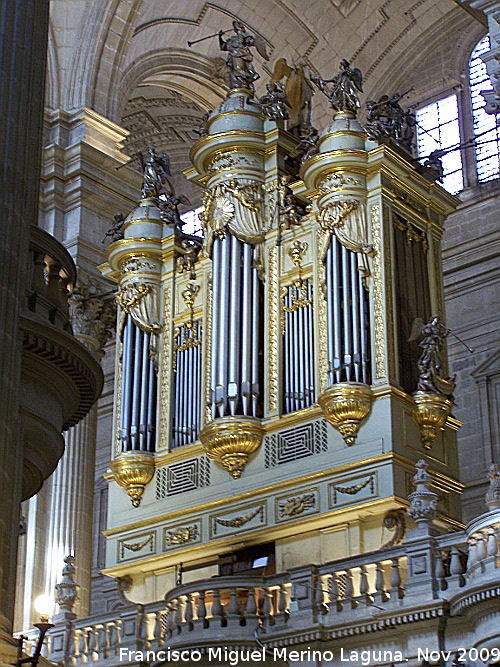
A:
[239,521]
[430,413]
[222,213]
[165,366]
[334,213]
[296,506]
[345,406]
[412,234]
[272,359]
[336,181]
[132,471]
[352,489]
[378,295]
[137,546]
[231,440]
[182,535]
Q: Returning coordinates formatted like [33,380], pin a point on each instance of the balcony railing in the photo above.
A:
[336,596]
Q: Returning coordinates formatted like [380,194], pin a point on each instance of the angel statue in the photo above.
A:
[343,95]
[429,365]
[299,91]
[239,62]
[156,169]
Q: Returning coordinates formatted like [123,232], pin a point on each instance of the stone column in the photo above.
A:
[72,484]
[23,48]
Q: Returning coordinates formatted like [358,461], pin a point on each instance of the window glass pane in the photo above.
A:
[485,125]
[437,127]
[192,223]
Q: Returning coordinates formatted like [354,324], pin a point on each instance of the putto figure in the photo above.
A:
[343,95]
[239,62]
[156,169]
[275,104]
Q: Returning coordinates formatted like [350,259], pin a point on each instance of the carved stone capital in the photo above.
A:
[93,313]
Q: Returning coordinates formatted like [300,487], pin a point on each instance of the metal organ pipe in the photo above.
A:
[126,380]
[246,331]
[138,400]
[255,341]
[215,322]
[300,359]
[355,316]
[143,408]
[234,330]
[222,366]
[347,319]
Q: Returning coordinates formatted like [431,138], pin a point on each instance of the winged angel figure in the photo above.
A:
[239,63]
[343,95]
[429,365]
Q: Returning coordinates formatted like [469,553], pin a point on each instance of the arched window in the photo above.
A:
[485,127]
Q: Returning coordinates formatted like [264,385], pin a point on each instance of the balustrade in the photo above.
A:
[241,605]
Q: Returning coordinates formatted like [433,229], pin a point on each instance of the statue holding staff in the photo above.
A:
[239,62]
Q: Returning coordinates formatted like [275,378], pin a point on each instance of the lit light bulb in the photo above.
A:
[44,605]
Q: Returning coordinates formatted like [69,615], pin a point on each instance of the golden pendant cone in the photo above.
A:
[345,406]
[430,414]
[132,471]
[231,440]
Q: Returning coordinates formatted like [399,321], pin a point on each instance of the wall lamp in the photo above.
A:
[44,605]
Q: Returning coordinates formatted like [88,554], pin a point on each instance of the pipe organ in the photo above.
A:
[296,310]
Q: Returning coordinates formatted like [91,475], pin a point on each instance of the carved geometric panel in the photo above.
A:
[295,443]
[182,477]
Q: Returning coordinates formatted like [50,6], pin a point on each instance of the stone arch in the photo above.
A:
[101,50]
[195,67]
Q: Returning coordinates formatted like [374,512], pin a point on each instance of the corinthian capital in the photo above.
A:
[93,313]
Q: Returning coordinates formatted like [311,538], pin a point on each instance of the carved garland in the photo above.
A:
[137,546]
[354,488]
[239,521]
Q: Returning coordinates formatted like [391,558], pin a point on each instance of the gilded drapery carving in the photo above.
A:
[141,302]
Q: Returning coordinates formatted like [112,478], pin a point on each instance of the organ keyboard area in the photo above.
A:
[295,297]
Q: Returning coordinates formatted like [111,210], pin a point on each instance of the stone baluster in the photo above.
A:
[188,613]
[456,567]
[202,610]
[217,613]
[321,606]
[171,618]
[472,559]
[481,549]
[396,588]
[233,611]
[363,586]
[251,608]
[53,293]
[283,610]
[118,631]
[84,648]
[267,607]
[349,590]
[492,548]
[381,593]
[77,643]
[335,601]
[439,570]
